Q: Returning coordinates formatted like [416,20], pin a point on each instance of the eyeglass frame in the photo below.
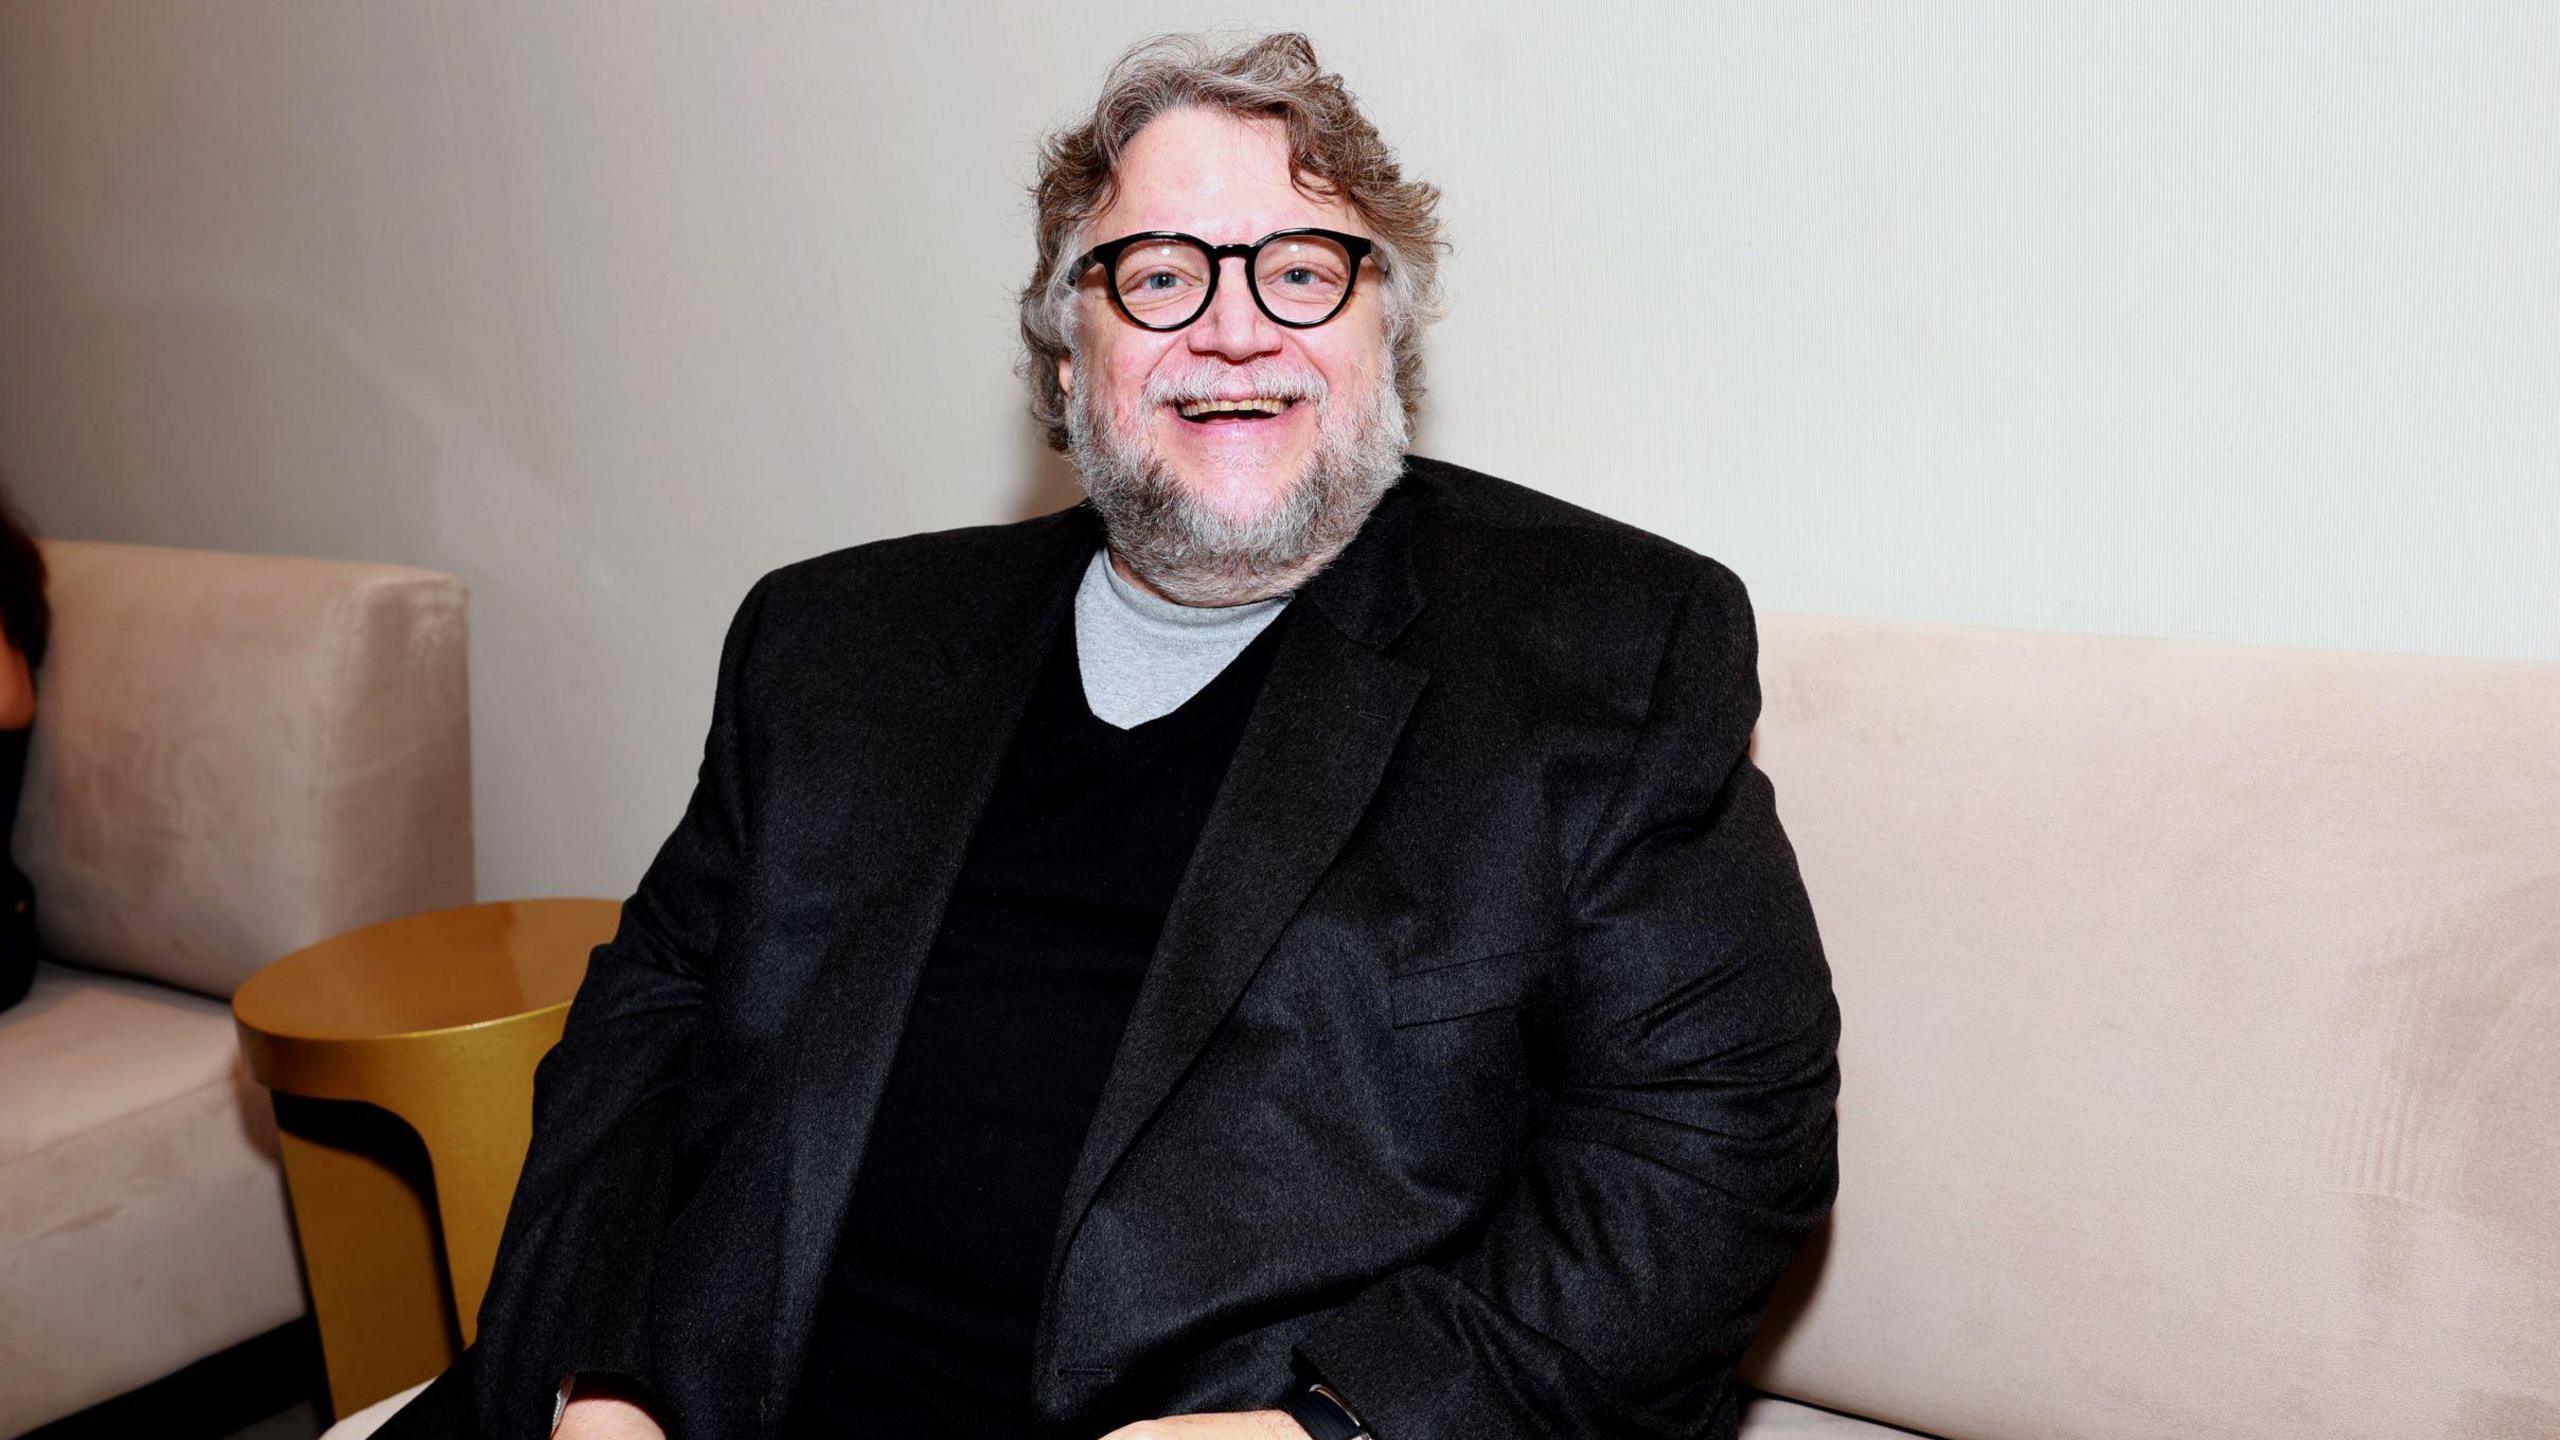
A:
[1107,255]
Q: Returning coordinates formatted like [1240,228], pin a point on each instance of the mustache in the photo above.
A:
[1268,379]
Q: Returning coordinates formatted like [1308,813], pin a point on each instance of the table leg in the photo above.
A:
[369,1249]
[470,1100]
[476,1172]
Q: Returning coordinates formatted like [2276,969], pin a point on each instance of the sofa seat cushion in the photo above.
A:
[143,1222]
[86,1050]
[1767,1417]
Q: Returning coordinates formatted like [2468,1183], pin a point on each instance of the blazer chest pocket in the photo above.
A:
[1454,989]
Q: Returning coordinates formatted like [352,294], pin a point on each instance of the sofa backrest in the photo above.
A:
[237,755]
[2201,1053]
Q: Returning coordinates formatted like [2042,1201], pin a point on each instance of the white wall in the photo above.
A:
[2192,318]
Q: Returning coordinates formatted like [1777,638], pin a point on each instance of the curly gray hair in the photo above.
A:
[1334,151]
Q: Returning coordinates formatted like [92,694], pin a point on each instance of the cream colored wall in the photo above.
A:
[2184,318]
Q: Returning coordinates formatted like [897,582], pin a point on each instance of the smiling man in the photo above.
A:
[1233,436]
[1293,946]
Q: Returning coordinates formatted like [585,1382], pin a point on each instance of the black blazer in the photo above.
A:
[1485,1065]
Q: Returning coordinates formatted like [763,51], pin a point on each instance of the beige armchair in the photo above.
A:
[234,756]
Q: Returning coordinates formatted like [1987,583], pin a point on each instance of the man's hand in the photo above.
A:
[605,1414]
[1227,1425]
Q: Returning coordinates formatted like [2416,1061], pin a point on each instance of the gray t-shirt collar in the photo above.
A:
[1143,655]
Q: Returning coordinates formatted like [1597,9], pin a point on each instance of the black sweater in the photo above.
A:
[926,1324]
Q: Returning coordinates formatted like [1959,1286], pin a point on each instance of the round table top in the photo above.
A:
[434,971]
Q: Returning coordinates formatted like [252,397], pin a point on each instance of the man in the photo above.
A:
[1296,943]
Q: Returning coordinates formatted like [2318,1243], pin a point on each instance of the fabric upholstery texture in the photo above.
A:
[2201,1051]
[1770,1418]
[142,1217]
[238,755]
[234,756]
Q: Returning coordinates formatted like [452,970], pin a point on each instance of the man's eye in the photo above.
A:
[1311,275]
[1160,280]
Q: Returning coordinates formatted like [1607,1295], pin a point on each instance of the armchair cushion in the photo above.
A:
[142,1217]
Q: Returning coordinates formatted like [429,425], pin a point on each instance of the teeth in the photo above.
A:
[1259,405]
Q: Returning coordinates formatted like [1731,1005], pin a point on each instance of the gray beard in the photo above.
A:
[1198,557]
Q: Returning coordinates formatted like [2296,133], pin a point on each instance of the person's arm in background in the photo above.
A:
[569,1293]
[26,623]
[26,616]
[1688,1146]
[17,688]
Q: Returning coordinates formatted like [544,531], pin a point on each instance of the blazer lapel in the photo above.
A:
[904,805]
[1310,758]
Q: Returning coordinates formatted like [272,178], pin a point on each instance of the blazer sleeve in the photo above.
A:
[1687,1146]
[571,1286]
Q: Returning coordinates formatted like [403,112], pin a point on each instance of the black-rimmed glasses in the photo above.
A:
[1164,279]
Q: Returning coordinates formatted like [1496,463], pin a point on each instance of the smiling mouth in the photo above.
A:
[1227,412]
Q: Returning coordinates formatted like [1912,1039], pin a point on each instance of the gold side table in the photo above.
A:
[437,1019]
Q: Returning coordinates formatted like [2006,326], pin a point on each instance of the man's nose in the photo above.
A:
[1233,328]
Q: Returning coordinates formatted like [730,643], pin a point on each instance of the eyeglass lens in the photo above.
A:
[1301,278]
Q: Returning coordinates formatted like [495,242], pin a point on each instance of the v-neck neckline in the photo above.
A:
[1199,710]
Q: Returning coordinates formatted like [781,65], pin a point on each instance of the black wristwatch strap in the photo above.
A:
[1322,1413]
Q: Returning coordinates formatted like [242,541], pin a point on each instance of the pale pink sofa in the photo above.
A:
[234,756]
[2201,1061]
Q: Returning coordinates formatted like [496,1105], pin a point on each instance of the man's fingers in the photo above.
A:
[1225,1425]
[606,1418]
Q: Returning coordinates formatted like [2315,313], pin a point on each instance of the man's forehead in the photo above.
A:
[1223,178]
